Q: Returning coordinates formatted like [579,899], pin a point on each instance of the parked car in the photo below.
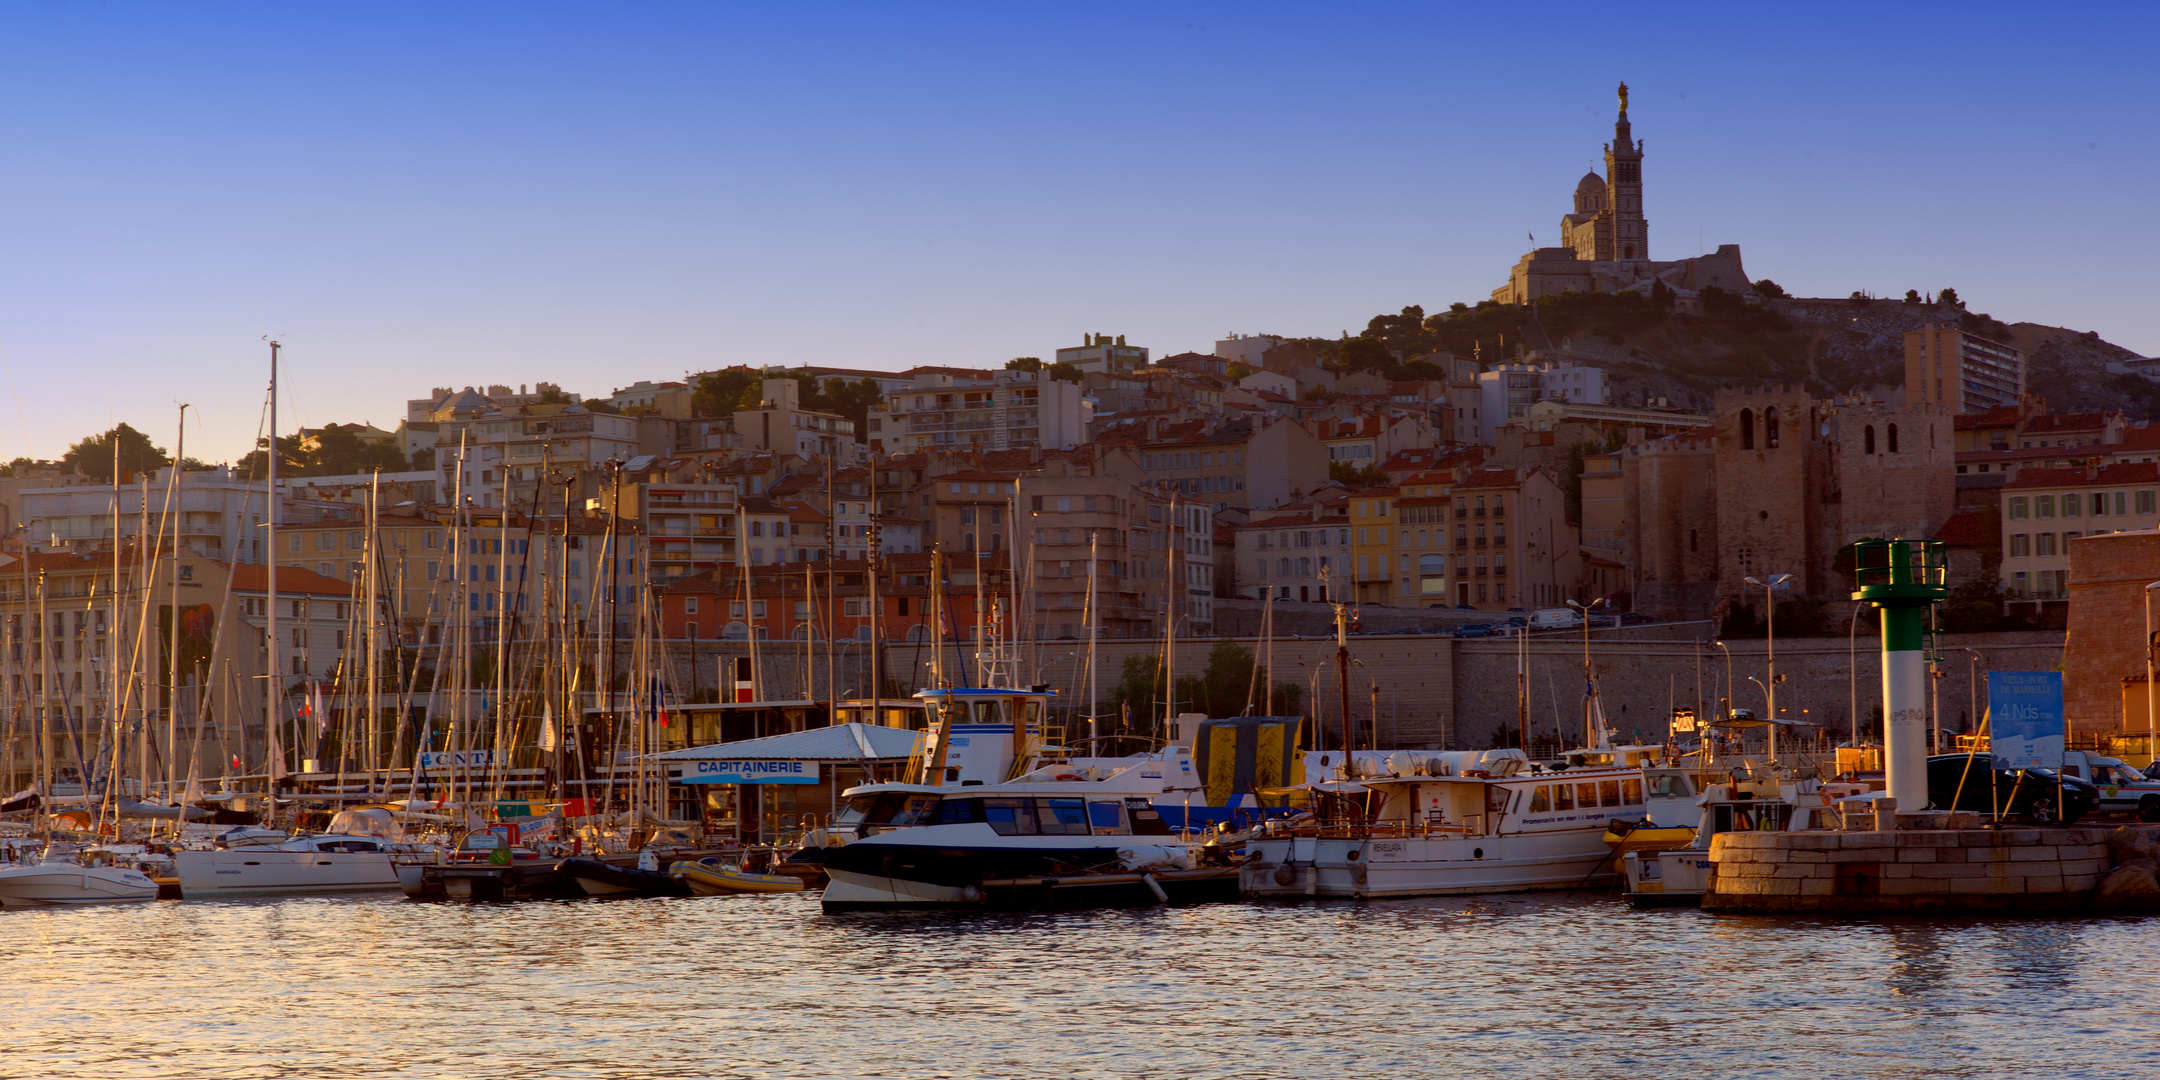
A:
[1466,607]
[2123,789]
[1517,620]
[1632,619]
[2028,793]
[1555,618]
[1477,630]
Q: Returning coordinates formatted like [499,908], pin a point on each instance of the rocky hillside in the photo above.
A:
[1654,348]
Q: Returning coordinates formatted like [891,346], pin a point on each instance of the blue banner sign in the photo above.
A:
[749,771]
[2025,718]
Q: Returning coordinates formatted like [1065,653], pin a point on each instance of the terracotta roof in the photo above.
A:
[1998,417]
[2137,472]
[1966,528]
[1491,478]
[254,577]
[2137,439]
[2049,423]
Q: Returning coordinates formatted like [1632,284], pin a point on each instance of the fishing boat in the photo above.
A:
[713,877]
[1765,801]
[1432,824]
[71,879]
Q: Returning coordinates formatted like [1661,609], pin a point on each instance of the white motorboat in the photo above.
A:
[65,881]
[355,856]
[1432,824]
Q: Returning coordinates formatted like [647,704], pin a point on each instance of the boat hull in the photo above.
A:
[1296,868]
[68,885]
[1666,878]
[719,881]
[601,879]
[260,872]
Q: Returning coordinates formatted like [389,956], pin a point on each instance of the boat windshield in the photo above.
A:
[894,808]
[1669,786]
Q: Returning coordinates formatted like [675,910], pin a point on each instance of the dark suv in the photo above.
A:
[2028,793]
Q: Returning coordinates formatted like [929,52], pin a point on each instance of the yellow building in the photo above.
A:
[1372,544]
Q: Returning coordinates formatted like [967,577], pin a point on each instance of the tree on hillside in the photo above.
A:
[723,392]
[1767,287]
[1067,371]
[1364,354]
[1949,298]
[1024,363]
[93,457]
[1912,296]
[602,405]
[1355,476]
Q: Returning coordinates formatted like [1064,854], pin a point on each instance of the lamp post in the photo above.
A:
[2151,753]
[1728,677]
[1769,588]
[1593,734]
[1903,578]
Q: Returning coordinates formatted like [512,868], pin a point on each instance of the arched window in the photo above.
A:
[1893,438]
[1868,444]
[1747,429]
[1769,426]
[735,632]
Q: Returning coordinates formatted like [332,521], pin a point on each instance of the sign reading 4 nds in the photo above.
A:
[2025,718]
[749,771]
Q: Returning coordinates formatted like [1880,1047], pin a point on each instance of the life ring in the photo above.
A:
[1068,777]
[109,829]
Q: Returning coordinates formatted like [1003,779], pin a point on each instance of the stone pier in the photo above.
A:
[2007,871]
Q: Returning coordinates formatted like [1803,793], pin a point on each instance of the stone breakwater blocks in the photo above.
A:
[1914,869]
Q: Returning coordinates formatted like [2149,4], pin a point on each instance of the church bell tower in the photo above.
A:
[1630,238]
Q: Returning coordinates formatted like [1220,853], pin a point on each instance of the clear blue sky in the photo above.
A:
[470,193]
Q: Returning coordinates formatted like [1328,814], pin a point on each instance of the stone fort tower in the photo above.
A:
[1608,223]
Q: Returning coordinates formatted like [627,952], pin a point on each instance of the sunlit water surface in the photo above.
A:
[1573,986]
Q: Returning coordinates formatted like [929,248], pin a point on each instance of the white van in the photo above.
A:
[1555,618]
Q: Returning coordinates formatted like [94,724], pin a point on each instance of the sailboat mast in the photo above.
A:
[172,639]
[374,590]
[1094,619]
[272,691]
[1170,620]
[874,560]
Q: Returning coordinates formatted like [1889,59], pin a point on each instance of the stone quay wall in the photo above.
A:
[1920,870]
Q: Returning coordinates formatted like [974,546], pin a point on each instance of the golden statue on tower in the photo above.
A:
[1623,99]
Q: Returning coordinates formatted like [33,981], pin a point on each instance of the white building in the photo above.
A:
[974,409]
[1505,394]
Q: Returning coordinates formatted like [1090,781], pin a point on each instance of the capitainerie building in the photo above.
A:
[1605,241]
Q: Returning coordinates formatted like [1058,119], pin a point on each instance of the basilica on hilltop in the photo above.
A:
[1605,240]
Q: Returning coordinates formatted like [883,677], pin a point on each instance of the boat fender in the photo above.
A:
[1155,887]
[1286,875]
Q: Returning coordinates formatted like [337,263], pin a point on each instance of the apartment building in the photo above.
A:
[966,409]
[965,511]
[1099,353]
[1423,512]
[219,514]
[1513,546]
[1254,463]
[1076,525]
[66,640]
[1297,553]
[1372,542]
[1504,395]
[781,425]
[1966,373]
[647,398]
[2046,508]
[831,601]
[481,459]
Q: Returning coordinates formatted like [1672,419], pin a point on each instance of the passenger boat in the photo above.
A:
[69,881]
[712,877]
[487,866]
[1433,824]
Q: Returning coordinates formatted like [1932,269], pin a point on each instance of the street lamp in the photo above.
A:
[2151,753]
[1769,588]
[1591,733]
[1728,677]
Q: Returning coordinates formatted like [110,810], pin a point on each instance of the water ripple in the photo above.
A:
[1573,986]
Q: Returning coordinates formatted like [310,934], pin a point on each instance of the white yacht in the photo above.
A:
[356,855]
[1414,823]
[72,879]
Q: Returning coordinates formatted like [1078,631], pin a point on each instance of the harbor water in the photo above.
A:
[1573,985]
